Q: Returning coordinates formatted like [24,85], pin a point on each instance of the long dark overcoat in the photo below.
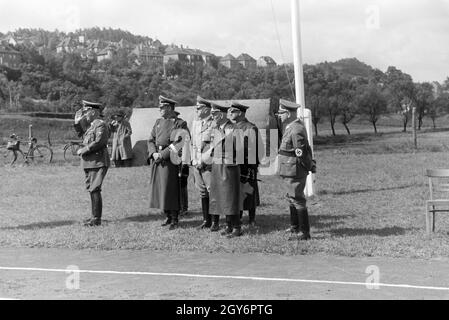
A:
[164,175]
[225,178]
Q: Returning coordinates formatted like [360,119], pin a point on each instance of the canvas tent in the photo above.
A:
[142,121]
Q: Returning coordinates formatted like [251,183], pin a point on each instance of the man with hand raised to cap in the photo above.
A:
[94,158]
[164,174]
[295,162]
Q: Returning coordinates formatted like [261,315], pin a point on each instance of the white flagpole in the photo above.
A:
[299,84]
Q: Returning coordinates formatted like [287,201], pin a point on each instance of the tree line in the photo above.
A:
[336,91]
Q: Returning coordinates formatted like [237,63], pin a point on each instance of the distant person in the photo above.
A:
[122,152]
[295,162]
[164,178]
[94,158]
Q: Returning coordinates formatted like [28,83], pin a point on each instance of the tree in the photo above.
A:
[401,93]
[424,99]
[372,102]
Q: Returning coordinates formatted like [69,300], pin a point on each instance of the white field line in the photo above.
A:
[186,275]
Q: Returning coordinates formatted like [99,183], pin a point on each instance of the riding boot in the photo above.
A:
[207,218]
[169,218]
[304,225]
[252,217]
[175,221]
[88,220]
[215,223]
[294,220]
[241,214]
[185,199]
[228,229]
[97,208]
[236,227]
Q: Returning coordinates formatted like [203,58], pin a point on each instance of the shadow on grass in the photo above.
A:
[325,192]
[160,216]
[266,224]
[42,225]
[383,232]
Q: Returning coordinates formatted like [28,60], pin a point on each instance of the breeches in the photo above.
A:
[94,178]
[295,192]
[202,182]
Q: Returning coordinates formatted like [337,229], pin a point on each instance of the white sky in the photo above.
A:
[412,35]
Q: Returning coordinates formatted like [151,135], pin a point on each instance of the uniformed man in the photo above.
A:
[225,176]
[94,158]
[184,176]
[122,152]
[201,140]
[164,177]
[295,162]
[248,169]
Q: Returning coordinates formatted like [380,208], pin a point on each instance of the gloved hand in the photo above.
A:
[82,151]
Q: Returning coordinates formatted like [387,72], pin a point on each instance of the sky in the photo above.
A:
[412,35]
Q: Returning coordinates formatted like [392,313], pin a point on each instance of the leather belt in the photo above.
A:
[287,153]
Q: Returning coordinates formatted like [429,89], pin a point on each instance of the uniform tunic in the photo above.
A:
[164,175]
[248,169]
[294,162]
[225,177]
[121,143]
[201,140]
[96,161]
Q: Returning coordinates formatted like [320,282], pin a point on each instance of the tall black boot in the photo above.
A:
[92,203]
[294,220]
[241,214]
[252,217]
[304,225]
[236,227]
[175,221]
[207,218]
[184,201]
[169,218]
[215,223]
[228,229]
[97,208]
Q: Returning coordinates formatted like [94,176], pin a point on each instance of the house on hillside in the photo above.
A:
[67,45]
[9,57]
[229,61]
[106,54]
[266,62]
[95,46]
[247,61]
[148,55]
[193,57]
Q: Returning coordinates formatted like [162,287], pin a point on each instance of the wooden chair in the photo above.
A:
[439,196]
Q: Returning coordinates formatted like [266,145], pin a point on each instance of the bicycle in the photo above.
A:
[37,153]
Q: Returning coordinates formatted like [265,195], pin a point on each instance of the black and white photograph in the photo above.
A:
[224,156]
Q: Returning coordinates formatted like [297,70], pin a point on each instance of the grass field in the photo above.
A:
[370,202]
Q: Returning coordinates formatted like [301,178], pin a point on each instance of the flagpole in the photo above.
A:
[305,114]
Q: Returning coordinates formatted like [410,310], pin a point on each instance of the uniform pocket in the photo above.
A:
[287,166]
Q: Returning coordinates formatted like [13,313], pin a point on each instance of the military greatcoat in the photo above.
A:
[248,170]
[164,175]
[225,175]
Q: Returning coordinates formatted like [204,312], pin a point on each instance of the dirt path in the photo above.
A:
[214,276]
